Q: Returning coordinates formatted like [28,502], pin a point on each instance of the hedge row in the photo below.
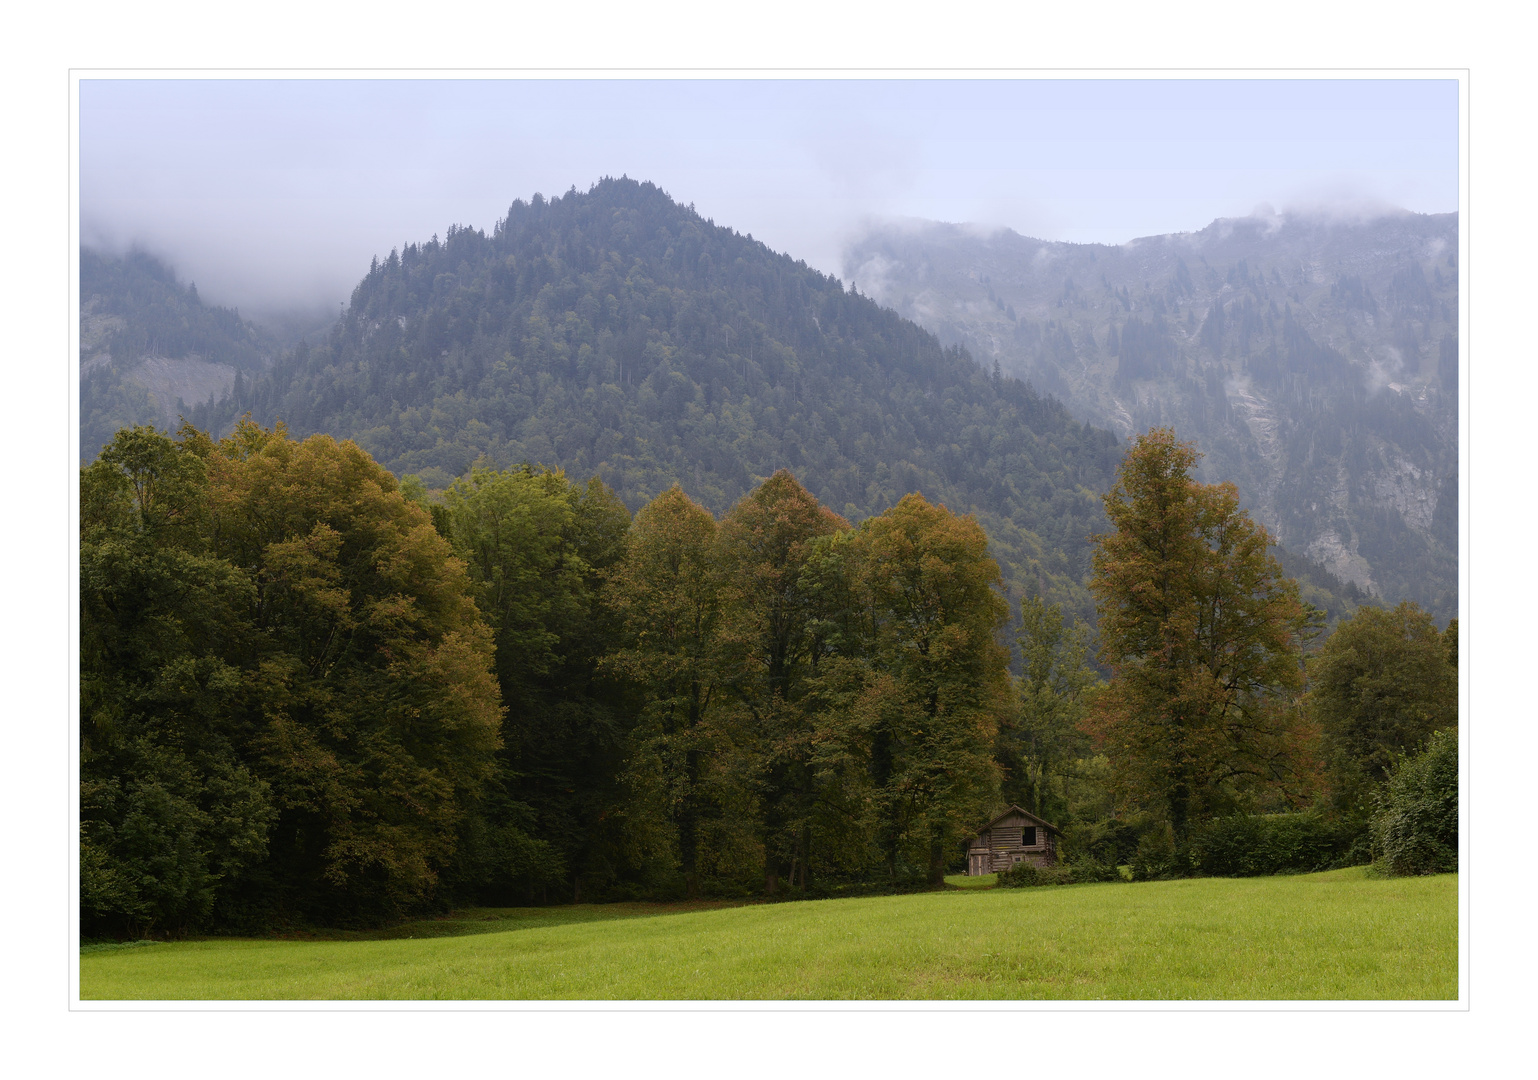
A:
[1256,844]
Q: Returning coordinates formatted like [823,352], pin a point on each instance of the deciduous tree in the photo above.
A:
[372,709]
[172,812]
[536,545]
[1204,638]
[1416,827]
[1042,741]
[770,629]
[666,591]
[286,688]
[933,590]
[1379,686]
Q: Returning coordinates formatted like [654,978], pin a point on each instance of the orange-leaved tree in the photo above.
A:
[1204,637]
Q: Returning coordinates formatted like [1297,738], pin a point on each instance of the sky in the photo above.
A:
[276,193]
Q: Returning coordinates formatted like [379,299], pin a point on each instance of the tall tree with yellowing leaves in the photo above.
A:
[1204,637]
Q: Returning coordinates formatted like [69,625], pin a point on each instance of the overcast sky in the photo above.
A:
[274,193]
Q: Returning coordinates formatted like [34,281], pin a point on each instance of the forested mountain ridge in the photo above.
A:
[150,349]
[617,333]
[1314,362]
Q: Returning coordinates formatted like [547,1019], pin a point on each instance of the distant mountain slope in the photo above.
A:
[1314,362]
[150,349]
[616,332]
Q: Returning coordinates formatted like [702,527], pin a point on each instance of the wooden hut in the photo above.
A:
[1015,836]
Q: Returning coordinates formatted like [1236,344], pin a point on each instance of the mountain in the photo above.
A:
[1313,361]
[615,332]
[150,349]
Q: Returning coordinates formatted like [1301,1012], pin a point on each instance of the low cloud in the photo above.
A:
[1345,203]
[1384,370]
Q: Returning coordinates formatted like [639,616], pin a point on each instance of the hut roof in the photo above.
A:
[1013,810]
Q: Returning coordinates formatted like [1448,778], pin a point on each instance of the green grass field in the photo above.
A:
[1337,935]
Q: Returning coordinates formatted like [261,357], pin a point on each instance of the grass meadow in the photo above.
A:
[1336,935]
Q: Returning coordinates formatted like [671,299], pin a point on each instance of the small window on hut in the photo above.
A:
[1028,836]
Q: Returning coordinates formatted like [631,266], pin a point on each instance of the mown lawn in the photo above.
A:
[1338,935]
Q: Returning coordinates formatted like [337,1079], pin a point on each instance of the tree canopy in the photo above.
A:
[310,693]
[1043,745]
[1379,686]
[285,679]
[1204,638]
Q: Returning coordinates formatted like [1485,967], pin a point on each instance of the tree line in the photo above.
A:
[311,693]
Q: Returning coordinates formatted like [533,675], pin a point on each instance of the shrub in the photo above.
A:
[1027,874]
[1157,857]
[1088,870]
[1111,841]
[1078,872]
[1416,828]
[1254,844]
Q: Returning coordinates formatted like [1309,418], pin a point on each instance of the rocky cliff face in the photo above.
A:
[1314,362]
[171,383]
[151,350]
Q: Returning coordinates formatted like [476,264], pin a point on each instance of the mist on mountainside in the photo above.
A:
[699,356]
[616,332]
[1312,356]
[152,348]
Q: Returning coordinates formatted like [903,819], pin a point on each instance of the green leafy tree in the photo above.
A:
[770,630]
[1416,827]
[1042,744]
[536,545]
[666,593]
[172,813]
[845,698]
[1204,638]
[371,708]
[515,529]
[1379,686]
[942,677]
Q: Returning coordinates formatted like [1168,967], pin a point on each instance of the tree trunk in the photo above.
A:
[689,819]
[1180,808]
[936,859]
